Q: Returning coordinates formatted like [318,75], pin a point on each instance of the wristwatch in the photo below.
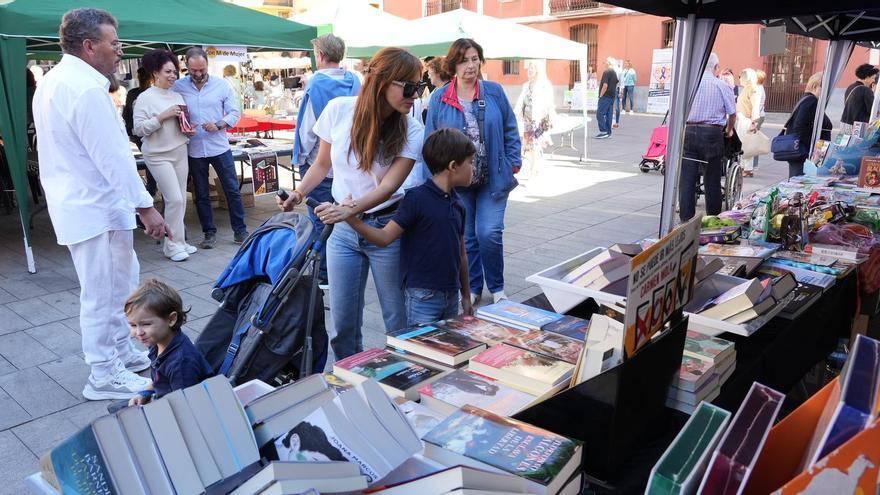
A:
[221,125]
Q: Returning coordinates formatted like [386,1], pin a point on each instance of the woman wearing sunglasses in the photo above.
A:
[481,110]
[371,143]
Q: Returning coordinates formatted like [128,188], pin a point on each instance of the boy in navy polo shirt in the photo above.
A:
[433,263]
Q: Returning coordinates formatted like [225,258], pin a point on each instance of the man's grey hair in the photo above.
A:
[331,46]
[713,62]
[78,25]
[196,52]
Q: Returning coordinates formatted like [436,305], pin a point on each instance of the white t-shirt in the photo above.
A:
[334,126]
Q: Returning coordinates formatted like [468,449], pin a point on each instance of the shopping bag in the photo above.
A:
[754,144]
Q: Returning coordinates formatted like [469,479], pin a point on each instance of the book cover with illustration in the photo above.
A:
[80,466]
[820,152]
[513,313]
[711,349]
[336,383]
[484,331]
[692,373]
[459,388]
[386,368]
[514,447]
[869,172]
[434,338]
[753,249]
[550,344]
[570,326]
[519,362]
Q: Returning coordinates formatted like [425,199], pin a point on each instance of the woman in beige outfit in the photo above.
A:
[156,114]
[748,111]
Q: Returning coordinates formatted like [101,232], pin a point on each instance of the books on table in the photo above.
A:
[281,398]
[422,418]
[456,478]
[570,326]
[682,466]
[397,375]
[323,476]
[693,373]
[772,267]
[736,266]
[608,265]
[544,461]
[517,315]
[440,344]
[458,388]
[523,370]
[733,459]
[869,172]
[484,331]
[746,249]
[711,349]
[732,301]
[549,344]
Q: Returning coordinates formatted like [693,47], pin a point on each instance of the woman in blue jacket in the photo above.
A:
[481,110]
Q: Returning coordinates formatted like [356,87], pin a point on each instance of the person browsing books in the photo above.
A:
[431,222]
[155,314]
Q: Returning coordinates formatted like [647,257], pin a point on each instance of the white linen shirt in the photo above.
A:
[87,168]
[334,126]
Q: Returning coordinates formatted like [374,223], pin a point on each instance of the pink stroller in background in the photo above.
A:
[655,157]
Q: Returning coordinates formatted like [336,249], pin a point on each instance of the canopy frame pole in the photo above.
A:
[876,106]
[586,119]
[838,53]
[682,50]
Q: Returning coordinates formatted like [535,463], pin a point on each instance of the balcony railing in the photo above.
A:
[573,7]
[433,7]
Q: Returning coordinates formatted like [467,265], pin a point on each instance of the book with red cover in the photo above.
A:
[549,344]
[869,172]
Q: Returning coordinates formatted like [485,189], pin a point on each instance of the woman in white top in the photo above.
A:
[535,112]
[156,114]
[747,111]
[762,101]
[371,143]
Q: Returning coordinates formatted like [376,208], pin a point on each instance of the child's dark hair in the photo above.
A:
[159,298]
[444,146]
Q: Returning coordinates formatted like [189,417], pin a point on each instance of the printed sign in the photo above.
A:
[226,53]
[660,282]
[661,81]
[264,166]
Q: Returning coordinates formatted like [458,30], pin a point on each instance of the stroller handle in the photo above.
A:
[328,228]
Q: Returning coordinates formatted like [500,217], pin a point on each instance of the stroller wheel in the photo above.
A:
[644,166]
[662,169]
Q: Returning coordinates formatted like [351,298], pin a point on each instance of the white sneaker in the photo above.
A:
[122,385]
[179,256]
[191,249]
[475,298]
[498,296]
[136,361]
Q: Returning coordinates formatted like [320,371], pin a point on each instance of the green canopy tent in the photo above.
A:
[31,26]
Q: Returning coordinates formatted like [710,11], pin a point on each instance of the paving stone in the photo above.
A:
[71,372]
[6,367]
[181,278]
[198,307]
[72,323]
[11,414]
[38,394]
[5,296]
[16,463]
[24,351]
[67,302]
[58,338]
[10,321]
[36,311]
[54,280]
[197,324]
[41,434]
[84,413]
[24,289]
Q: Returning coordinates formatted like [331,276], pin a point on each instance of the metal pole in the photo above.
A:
[876,106]
[586,119]
[824,92]
[681,65]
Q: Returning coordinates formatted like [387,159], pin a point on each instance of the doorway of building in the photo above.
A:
[788,73]
[589,35]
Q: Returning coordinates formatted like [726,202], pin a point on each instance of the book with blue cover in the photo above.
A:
[475,437]
[507,312]
[570,326]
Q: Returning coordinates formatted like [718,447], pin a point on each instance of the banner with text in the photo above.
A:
[660,282]
[661,81]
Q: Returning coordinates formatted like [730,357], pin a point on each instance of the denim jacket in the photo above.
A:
[502,143]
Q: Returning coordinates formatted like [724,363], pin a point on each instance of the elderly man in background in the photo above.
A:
[711,120]
[212,107]
[329,82]
[93,191]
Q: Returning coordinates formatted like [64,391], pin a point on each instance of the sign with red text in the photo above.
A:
[661,282]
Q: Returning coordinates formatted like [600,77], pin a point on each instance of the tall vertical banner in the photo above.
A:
[659,87]
[661,281]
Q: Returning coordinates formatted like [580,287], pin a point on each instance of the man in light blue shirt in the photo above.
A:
[212,107]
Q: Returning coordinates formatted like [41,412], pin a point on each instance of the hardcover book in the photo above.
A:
[526,371]
[733,460]
[549,344]
[518,315]
[397,376]
[459,388]
[435,342]
[681,467]
[481,330]
[869,172]
[539,456]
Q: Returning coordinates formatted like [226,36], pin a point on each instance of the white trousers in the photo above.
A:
[108,270]
[170,169]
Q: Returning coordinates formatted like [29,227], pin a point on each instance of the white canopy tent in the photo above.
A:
[358,23]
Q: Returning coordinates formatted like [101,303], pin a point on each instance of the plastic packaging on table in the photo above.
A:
[762,216]
[869,217]
[848,234]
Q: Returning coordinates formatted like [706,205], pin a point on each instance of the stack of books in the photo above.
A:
[748,300]
[398,375]
[607,271]
[706,365]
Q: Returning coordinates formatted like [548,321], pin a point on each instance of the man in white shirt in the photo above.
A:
[93,191]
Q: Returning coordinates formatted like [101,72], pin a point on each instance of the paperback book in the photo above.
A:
[440,344]
[526,371]
[481,330]
[549,344]
[398,376]
[750,249]
[458,388]
[516,314]
[570,326]
[711,349]
[693,373]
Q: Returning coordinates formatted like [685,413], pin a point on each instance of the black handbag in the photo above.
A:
[788,147]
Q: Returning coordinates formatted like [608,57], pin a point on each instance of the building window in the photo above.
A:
[788,73]
[433,7]
[510,68]
[589,35]
[668,34]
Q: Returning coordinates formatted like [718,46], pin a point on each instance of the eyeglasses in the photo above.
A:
[411,89]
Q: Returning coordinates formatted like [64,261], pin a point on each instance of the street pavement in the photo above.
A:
[566,209]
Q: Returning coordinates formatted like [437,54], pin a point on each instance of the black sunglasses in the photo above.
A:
[411,89]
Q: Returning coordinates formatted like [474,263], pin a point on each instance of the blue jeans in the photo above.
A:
[320,194]
[483,231]
[429,305]
[349,258]
[604,114]
[706,144]
[629,93]
[616,107]
[224,166]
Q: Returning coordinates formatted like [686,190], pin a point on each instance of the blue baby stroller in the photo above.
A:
[270,323]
